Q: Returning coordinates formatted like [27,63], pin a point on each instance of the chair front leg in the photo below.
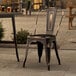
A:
[47,52]
[48,57]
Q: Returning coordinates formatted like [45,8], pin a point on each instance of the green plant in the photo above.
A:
[22,36]
[1,31]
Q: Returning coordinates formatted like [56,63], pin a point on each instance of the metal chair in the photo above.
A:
[46,39]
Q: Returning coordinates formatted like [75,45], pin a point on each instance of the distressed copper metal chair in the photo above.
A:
[46,39]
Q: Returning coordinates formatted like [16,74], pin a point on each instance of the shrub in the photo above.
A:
[1,31]
[22,36]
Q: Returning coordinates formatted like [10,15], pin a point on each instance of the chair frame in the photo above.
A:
[46,39]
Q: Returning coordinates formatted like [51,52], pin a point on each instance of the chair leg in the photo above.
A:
[47,53]
[27,47]
[48,57]
[56,51]
[40,50]
[24,63]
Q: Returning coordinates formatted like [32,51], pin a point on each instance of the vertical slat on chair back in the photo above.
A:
[51,17]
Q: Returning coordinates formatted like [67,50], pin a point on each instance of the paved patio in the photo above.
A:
[9,65]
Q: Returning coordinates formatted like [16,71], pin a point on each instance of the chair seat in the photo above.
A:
[39,37]
[43,35]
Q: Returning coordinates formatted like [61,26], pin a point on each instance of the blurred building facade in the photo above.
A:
[17,5]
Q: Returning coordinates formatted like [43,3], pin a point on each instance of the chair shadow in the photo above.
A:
[43,67]
[73,28]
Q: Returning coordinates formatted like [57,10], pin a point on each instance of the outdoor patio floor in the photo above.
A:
[10,67]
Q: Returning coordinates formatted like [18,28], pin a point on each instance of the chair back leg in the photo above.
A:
[26,54]
[40,50]
[56,51]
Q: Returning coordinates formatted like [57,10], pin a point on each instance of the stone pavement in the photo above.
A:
[10,67]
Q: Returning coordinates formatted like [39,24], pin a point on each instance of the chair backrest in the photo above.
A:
[51,17]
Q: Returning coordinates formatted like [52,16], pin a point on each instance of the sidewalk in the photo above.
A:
[10,67]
